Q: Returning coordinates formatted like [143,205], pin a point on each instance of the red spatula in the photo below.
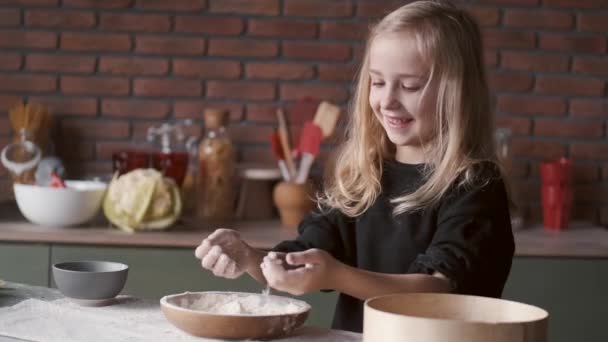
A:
[310,143]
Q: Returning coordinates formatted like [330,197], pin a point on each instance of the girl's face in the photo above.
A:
[398,76]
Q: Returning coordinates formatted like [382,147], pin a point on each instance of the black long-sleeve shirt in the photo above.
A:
[467,237]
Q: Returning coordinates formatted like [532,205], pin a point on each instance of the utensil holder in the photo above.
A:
[294,201]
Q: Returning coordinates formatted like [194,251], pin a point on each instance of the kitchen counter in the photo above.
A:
[580,240]
[34,313]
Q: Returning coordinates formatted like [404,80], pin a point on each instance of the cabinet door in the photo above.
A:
[155,272]
[24,263]
[573,291]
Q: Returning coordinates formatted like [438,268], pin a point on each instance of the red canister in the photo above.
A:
[556,193]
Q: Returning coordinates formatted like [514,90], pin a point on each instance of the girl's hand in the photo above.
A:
[300,272]
[225,254]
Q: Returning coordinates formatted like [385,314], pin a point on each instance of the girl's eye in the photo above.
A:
[410,88]
[377,83]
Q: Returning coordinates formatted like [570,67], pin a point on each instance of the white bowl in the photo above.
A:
[74,205]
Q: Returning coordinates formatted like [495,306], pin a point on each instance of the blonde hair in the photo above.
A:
[463,134]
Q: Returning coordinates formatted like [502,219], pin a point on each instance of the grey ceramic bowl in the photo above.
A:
[90,282]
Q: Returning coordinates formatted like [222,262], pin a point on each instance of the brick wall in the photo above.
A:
[107,69]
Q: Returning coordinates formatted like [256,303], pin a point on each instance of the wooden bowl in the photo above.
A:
[178,309]
[434,317]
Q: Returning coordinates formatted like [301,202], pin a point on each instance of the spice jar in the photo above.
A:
[217,168]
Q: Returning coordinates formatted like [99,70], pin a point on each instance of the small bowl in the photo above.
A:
[178,309]
[76,204]
[90,283]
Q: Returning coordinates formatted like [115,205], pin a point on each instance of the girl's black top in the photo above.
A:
[467,236]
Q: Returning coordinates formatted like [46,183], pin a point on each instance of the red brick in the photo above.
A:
[27,83]
[105,149]
[590,65]
[604,171]
[135,22]
[5,126]
[133,66]
[94,86]
[282,28]
[566,85]
[585,173]
[254,154]
[263,112]
[531,148]
[138,109]
[34,40]
[508,39]
[10,17]
[512,2]
[344,30]
[160,45]
[166,87]
[60,63]
[517,125]
[8,101]
[193,109]
[325,92]
[533,61]
[317,51]
[590,193]
[241,90]
[10,61]
[175,5]
[317,8]
[593,22]
[105,4]
[589,107]
[250,7]
[59,19]
[490,57]
[584,211]
[531,105]
[280,71]
[526,191]
[95,42]
[242,48]
[25,3]
[337,72]
[589,150]
[250,134]
[67,105]
[538,19]
[376,8]
[568,129]
[72,148]
[96,129]
[572,43]
[510,81]
[579,4]
[229,26]
[82,169]
[207,69]
[485,16]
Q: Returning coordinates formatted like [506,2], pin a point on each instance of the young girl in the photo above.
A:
[416,201]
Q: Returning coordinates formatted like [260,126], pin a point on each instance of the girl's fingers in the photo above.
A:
[211,258]
[220,267]
[202,249]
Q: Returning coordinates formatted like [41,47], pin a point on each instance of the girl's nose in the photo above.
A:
[389,98]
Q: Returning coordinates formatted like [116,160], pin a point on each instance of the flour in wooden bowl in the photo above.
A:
[243,304]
